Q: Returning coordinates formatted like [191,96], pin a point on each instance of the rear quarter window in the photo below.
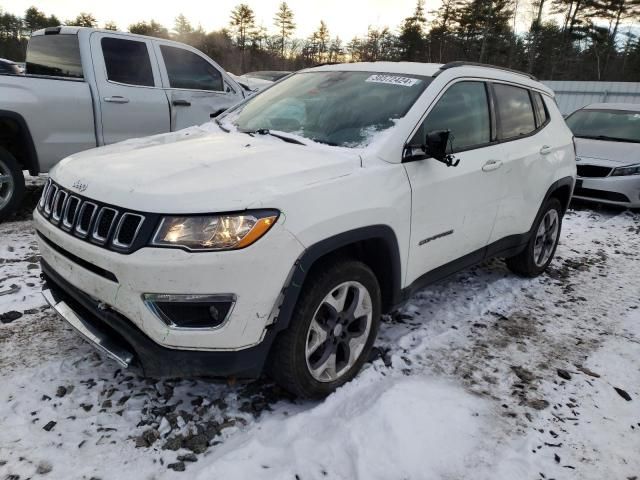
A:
[55,56]
[515,111]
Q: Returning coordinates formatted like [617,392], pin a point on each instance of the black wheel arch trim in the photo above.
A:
[305,262]
[31,162]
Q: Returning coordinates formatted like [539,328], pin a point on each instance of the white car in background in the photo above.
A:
[607,137]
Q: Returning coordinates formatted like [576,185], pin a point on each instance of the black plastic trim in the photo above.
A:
[156,360]
[31,161]
[457,64]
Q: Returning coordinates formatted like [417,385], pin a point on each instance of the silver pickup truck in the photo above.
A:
[85,88]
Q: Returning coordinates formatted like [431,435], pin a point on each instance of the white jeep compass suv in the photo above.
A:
[274,240]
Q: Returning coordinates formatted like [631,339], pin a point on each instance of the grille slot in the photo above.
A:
[104,225]
[127,230]
[58,205]
[85,218]
[592,171]
[70,212]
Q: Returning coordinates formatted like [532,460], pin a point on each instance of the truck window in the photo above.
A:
[54,56]
[188,70]
[515,112]
[127,61]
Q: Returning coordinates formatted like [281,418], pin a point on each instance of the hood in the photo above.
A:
[602,152]
[194,171]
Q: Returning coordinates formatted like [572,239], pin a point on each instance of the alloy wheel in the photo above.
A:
[338,331]
[6,185]
[546,238]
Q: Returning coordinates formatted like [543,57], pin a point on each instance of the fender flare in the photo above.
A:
[30,161]
[304,263]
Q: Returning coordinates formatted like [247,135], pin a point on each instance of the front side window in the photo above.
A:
[188,70]
[464,111]
[341,108]
[515,112]
[127,61]
[614,125]
[54,56]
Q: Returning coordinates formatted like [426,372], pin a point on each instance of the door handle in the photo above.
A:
[491,165]
[181,103]
[546,150]
[116,99]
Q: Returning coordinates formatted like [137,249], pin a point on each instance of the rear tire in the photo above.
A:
[541,248]
[11,184]
[332,330]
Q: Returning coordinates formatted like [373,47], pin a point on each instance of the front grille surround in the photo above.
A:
[104,225]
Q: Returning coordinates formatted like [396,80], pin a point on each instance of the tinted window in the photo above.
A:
[54,55]
[188,70]
[127,61]
[515,112]
[614,125]
[464,110]
[541,111]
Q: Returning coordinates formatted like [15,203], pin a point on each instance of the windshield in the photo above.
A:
[337,108]
[617,125]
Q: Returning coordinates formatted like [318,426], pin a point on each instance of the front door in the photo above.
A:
[454,208]
[196,87]
[132,104]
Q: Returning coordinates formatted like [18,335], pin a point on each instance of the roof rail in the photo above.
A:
[450,65]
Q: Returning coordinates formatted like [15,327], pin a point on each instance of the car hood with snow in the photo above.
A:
[607,153]
[215,172]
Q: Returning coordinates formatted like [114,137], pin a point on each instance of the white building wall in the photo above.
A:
[572,96]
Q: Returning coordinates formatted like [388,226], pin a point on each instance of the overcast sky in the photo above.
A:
[346,18]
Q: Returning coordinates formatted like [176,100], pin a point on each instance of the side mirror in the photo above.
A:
[435,144]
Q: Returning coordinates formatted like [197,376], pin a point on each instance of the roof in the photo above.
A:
[633,107]
[433,69]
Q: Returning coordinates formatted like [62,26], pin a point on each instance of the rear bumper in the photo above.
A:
[118,338]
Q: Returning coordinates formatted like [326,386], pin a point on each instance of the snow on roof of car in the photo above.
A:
[409,68]
[633,107]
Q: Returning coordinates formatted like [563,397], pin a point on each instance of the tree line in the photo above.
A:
[552,39]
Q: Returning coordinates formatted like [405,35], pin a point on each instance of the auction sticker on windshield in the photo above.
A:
[393,80]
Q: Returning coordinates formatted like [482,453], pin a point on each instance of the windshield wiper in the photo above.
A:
[219,123]
[266,131]
[607,137]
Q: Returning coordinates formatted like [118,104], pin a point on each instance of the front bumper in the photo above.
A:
[115,336]
[623,191]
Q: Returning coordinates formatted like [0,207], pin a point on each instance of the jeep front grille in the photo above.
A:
[104,225]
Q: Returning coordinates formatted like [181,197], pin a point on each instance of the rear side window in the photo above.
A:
[541,111]
[188,70]
[54,56]
[515,112]
[127,61]
[464,110]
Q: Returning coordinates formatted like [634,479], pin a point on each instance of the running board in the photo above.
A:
[95,337]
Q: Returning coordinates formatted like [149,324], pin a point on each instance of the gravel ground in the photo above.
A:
[533,378]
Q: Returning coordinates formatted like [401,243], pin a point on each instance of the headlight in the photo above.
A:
[631,170]
[214,232]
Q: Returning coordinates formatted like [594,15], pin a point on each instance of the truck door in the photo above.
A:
[197,88]
[132,102]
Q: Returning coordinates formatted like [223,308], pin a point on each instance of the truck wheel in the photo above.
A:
[11,184]
[539,252]
[331,333]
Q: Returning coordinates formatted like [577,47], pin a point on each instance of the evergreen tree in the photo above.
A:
[285,24]
[412,34]
[152,29]
[83,20]
[111,25]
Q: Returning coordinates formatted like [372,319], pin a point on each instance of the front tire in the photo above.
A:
[11,184]
[541,248]
[332,330]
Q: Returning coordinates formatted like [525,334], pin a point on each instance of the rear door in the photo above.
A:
[197,88]
[132,101]
[454,208]
[528,152]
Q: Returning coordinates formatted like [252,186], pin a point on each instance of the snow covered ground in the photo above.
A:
[483,376]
